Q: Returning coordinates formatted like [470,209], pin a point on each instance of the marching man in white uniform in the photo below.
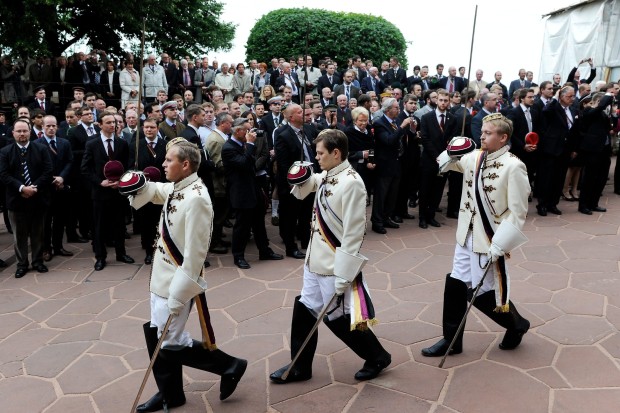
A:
[176,278]
[492,213]
[333,265]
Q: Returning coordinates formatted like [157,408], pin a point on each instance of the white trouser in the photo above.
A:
[318,290]
[468,266]
[177,336]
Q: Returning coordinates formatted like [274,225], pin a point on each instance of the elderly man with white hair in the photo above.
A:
[186,77]
[154,79]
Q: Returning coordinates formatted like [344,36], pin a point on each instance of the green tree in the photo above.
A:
[178,27]
[282,33]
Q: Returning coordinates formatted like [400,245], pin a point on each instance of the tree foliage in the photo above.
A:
[179,27]
[282,33]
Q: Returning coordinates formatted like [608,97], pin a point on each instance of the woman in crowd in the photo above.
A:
[361,147]
[261,79]
[266,93]
[129,80]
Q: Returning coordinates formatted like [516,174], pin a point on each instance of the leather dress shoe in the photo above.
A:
[453,215]
[76,240]
[408,216]
[542,211]
[554,210]
[513,338]
[40,268]
[397,219]
[242,263]
[156,403]
[206,264]
[20,272]
[295,375]
[275,221]
[148,260]
[218,249]
[3,264]
[433,223]
[372,369]
[231,378]
[379,229]
[296,254]
[439,349]
[599,209]
[125,258]
[47,256]
[585,210]
[63,252]
[100,265]
[422,224]
[270,255]
[390,224]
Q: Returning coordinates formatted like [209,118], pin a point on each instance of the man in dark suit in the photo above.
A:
[347,88]
[343,112]
[525,119]
[171,72]
[61,155]
[558,143]
[151,153]
[327,97]
[288,78]
[330,79]
[451,83]
[108,204]
[372,82]
[498,81]
[519,83]
[26,172]
[272,119]
[546,95]
[185,77]
[389,134]
[396,76]
[246,196]
[41,102]
[436,129]
[111,91]
[295,215]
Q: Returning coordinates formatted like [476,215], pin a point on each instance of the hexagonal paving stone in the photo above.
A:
[21,394]
[573,301]
[587,367]
[579,401]
[329,399]
[378,399]
[50,360]
[15,300]
[101,371]
[572,329]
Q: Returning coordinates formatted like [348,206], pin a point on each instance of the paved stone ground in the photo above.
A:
[71,340]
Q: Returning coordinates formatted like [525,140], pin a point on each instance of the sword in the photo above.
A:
[462,325]
[148,370]
[316,325]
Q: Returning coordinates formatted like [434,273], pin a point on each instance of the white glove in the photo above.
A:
[340,285]
[174,306]
[495,252]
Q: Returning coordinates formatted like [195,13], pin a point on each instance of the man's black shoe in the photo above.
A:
[207,264]
[100,265]
[156,403]
[63,252]
[585,210]
[422,224]
[294,375]
[512,338]
[542,211]
[397,219]
[408,216]
[439,349]
[372,369]
[218,249]
[270,255]
[554,210]
[40,268]
[76,240]
[20,272]
[242,263]
[433,223]
[296,254]
[379,229]
[3,264]
[599,209]
[231,377]
[125,258]
[148,260]
[390,224]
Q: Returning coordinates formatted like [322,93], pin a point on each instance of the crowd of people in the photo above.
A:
[71,117]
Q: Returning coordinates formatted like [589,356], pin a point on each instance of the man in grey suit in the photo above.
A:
[519,83]
[203,79]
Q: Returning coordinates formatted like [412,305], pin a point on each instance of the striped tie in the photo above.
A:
[27,180]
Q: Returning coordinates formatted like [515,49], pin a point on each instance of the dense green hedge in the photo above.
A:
[282,33]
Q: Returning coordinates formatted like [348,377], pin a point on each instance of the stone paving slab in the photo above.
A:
[71,340]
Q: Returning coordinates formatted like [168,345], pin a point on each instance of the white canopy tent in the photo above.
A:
[588,29]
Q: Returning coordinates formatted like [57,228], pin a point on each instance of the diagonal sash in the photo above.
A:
[208,336]
[502,291]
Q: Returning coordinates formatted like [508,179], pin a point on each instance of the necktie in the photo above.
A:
[174,126]
[53,146]
[569,118]
[40,134]
[276,121]
[293,86]
[97,77]
[528,117]
[186,74]
[498,107]
[110,150]
[372,83]
[305,144]
[42,105]
[442,122]
[85,77]
[347,92]
[451,85]
[330,80]
[90,130]
[27,180]
[203,75]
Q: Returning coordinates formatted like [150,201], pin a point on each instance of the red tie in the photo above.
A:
[40,135]
[451,86]
[42,106]
[442,123]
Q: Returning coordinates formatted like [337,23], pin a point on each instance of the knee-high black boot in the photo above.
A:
[302,323]
[168,376]
[230,368]
[454,308]
[364,343]
[516,326]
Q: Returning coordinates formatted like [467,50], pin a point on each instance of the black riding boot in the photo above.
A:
[168,376]
[363,343]
[516,326]
[301,325]
[454,308]
[230,369]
